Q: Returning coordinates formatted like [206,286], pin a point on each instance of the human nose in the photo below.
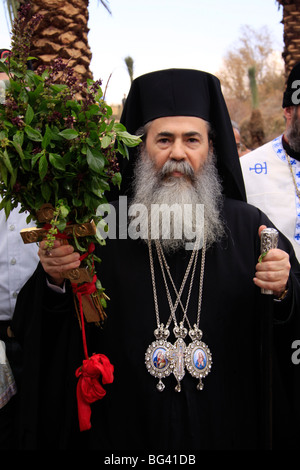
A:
[178,151]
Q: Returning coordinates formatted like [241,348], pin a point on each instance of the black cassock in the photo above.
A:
[233,409]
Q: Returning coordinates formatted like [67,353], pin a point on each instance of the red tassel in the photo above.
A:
[89,388]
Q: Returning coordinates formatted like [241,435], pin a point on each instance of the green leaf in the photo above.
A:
[95,160]
[8,123]
[33,95]
[3,173]
[35,158]
[32,78]
[64,211]
[14,85]
[78,246]
[33,134]
[29,115]
[59,87]
[93,110]
[61,225]
[128,139]
[106,141]
[47,137]
[43,166]
[6,161]
[73,105]
[46,191]
[57,161]
[55,133]
[109,113]
[19,137]
[18,149]
[118,127]
[69,134]
[110,126]
[7,208]
[104,185]
[3,66]
[3,136]
[76,202]
[23,95]
[97,192]
[116,179]
[123,150]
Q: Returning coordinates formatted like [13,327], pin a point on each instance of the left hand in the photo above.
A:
[273,271]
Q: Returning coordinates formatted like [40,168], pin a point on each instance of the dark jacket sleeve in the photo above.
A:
[46,326]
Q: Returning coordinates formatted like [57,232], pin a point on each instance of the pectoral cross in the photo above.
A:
[177,356]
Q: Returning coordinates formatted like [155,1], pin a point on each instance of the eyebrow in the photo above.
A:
[185,134]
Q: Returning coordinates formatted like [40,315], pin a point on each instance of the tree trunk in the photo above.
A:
[63,32]
[291,23]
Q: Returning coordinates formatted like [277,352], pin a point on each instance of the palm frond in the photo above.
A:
[12,7]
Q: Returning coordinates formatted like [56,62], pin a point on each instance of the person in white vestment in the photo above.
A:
[272,172]
[17,264]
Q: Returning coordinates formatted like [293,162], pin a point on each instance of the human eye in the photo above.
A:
[163,140]
[193,140]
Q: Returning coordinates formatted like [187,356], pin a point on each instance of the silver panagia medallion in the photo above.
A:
[198,358]
[158,357]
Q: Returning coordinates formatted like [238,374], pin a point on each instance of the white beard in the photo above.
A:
[173,206]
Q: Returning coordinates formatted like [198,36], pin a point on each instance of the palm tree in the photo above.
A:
[129,64]
[256,126]
[291,23]
[63,32]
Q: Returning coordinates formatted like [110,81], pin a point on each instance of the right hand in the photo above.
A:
[61,258]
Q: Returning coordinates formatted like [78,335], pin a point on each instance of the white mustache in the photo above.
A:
[180,166]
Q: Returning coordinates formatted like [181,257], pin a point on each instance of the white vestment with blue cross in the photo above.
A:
[270,187]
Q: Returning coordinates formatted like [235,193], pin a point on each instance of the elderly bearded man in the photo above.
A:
[162,296]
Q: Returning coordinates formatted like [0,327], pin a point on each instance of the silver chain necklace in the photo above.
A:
[164,358]
[293,176]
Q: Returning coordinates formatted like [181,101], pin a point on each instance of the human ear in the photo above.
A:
[288,113]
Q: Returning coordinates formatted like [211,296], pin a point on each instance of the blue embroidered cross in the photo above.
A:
[259,168]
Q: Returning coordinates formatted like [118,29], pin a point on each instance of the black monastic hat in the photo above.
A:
[290,89]
[183,92]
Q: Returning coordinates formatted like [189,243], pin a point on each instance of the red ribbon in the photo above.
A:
[85,289]
[89,388]
[91,248]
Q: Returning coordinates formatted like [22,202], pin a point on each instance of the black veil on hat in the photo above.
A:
[183,92]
